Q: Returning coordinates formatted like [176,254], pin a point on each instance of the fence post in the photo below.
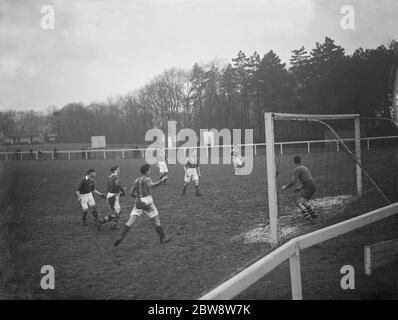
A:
[255,150]
[295,274]
[358,155]
[69,155]
[104,155]
[7,156]
[368,144]
[337,146]
[308,147]
[281,148]
[123,154]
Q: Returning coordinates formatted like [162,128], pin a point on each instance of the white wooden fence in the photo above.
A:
[140,153]
[291,250]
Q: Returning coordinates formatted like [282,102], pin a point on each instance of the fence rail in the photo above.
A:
[131,153]
[291,250]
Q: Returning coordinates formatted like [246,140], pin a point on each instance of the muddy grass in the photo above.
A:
[206,249]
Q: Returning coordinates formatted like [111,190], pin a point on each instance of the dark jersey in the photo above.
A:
[142,187]
[192,164]
[86,185]
[114,185]
[302,174]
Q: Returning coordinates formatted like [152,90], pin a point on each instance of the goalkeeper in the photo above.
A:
[303,175]
[141,191]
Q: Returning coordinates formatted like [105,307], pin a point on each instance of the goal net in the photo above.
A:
[353,163]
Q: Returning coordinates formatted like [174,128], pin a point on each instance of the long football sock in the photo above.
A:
[310,210]
[84,217]
[160,232]
[95,214]
[197,191]
[122,235]
[184,189]
[306,214]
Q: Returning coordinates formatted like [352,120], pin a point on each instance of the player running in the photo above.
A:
[303,174]
[84,193]
[161,163]
[115,191]
[141,191]
[192,172]
[237,161]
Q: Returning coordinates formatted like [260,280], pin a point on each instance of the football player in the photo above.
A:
[237,161]
[306,191]
[84,193]
[141,191]
[192,173]
[115,191]
[161,163]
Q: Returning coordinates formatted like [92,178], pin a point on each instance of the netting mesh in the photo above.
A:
[332,163]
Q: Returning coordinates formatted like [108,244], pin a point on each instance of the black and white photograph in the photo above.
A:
[217,152]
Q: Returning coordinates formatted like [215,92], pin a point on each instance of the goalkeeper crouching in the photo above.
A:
[141,191]
[303,175]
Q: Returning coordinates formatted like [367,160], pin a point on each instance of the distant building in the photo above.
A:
[23,138]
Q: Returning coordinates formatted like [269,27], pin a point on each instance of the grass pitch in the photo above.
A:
[205,249]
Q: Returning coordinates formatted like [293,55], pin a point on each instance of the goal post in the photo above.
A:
[271,176]
[357,126]
[272,171]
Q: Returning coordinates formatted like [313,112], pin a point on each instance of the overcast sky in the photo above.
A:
[108,47]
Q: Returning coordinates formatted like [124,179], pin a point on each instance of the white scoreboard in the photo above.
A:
[98,142]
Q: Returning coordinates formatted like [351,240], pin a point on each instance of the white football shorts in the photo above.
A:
[152,212]
[114,201]
[87,200]
[163,167]
[191,175]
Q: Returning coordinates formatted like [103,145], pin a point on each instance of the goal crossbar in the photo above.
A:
[303,117]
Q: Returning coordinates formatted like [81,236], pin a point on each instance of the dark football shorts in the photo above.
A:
[307,191]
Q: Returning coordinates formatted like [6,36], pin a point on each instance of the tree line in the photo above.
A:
[231,95]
